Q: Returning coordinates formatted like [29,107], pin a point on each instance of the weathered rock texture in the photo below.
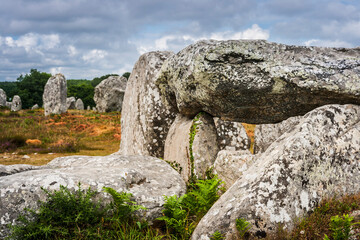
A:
[12,169]
[255,81]
[145,120]
[109,94]
[319,157]
[70,102]
[204,145]
[36,106]
[8,104]
[230,165]
[79,105]
[266,134]
[54,97]
[2,97]
[16,104]
[231,135]
[147,178]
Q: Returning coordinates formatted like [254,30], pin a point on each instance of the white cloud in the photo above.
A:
[34,42]
[177,42]
[327,43]
[255,32]
[56,70]
[94,55]
[72,50]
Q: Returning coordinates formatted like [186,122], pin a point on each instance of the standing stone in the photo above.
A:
[266,134]
[88,108]
[2,97]
[8,105]
[54,96]
[94,109]
[79,105]
[16,104]
[70,102]
[255,81]
[201,155]
[318,158]
[109,94]
[36,106]
[145,120]
[231,135]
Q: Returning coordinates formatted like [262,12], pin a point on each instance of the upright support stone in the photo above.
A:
[145,120]
[16,104]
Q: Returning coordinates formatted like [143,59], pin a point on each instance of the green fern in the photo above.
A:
[242,226]
[217,236]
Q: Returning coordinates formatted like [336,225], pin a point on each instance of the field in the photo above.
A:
[28,137]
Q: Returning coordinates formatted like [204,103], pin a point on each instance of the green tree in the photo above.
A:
[127,75]
[31,87]
[84,91]
[10,89]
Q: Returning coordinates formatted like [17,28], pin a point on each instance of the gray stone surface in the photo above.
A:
[231,135]
[318,158]
[2,97]
[17,168]
[147,178]
[16,104]
[70,102]
[204,147]
[8,104]
[230,165]
[109,94]
[255,81]
[36,106]
[266,134]
[79,105]
[54,97]
[145,120]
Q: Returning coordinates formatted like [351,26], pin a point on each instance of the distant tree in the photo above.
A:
[31,87]
[127,75]
[98,80]
[85,91]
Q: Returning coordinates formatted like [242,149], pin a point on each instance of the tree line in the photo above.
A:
[30,88]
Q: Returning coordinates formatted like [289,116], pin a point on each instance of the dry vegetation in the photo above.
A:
[28,137]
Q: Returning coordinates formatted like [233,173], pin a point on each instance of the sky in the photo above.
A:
[84,39]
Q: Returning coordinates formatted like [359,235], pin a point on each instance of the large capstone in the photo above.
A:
[54,96]
[255,81]
[109,94]
[149,179]
[318,158]
[16,104]
[145,119]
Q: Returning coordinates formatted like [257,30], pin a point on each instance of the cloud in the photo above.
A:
[177,42]
[94,55]
[327,43]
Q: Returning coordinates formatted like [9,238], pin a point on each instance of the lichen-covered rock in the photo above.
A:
[266,134]
[231,135]
[8,105]
[16,104]
[230,165]
[318,158]
[79,105]
[145,120]
[204,146]
[147,178]
[109,94]
[255,81]
[2,97]
[70,102]
[54,96]
[36,106]
[12,169]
